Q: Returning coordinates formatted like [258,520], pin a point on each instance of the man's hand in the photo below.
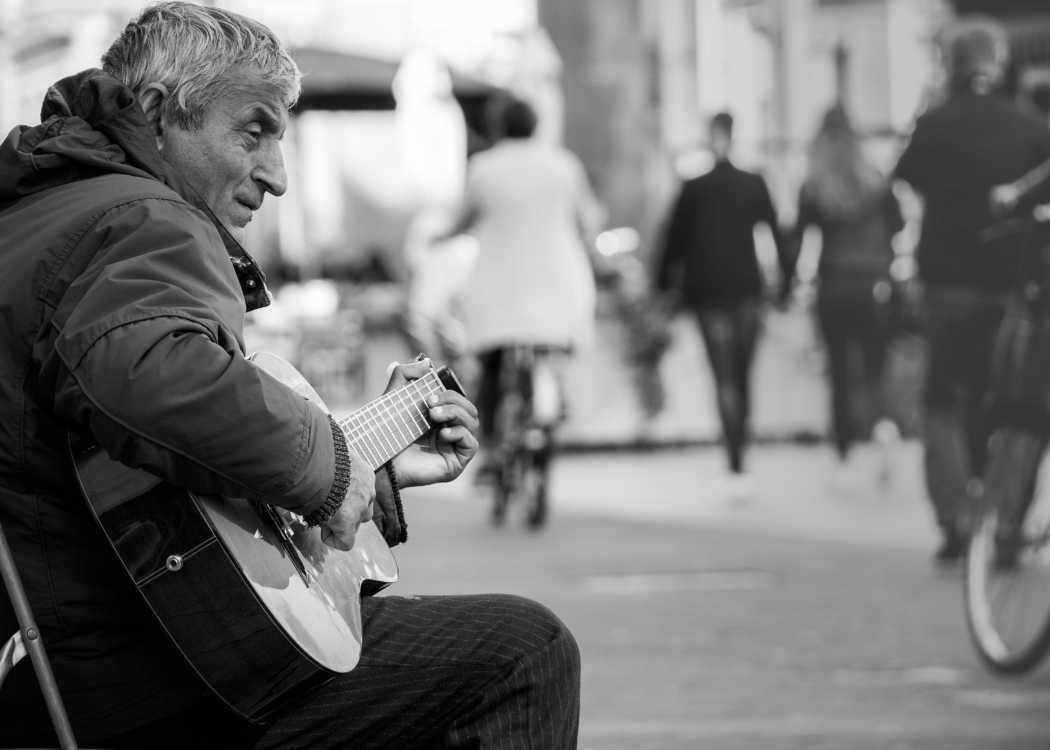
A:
[1004,198]
[441,454]
[340,530]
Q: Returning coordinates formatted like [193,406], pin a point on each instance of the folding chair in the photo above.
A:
[27,640]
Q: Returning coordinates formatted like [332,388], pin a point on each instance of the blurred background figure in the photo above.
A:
[958,152]
[432,135]
[530,206]
[1038,101]
[852,204]
[709,261]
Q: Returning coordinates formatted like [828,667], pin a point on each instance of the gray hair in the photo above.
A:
[196,52]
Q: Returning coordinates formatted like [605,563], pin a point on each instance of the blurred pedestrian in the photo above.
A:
[530,206]
[852,204]
[958,152]
[709,260]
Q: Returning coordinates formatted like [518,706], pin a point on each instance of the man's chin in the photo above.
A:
[236,229]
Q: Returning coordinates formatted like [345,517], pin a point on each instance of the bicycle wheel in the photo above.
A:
[508,420]
[1007,576]
[534,490]
[508,484]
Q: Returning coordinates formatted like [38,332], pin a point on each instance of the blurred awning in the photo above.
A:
[343,81]
[340,81]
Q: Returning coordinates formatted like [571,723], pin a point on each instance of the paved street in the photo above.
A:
[806,619]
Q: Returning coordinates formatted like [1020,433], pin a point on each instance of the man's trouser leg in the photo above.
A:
[487,672]
[948,468]
[450,672]
[961,327]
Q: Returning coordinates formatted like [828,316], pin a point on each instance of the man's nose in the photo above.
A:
[270,170]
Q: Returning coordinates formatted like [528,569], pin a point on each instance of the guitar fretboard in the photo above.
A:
[380,430]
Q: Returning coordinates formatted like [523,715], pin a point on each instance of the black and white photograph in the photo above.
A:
[525,374]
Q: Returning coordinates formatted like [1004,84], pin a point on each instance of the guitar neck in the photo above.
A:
[380,430]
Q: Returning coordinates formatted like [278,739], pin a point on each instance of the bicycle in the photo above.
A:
[1007,575]
[529,408]
[1007,572]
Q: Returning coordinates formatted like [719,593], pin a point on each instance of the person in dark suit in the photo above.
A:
[709,260]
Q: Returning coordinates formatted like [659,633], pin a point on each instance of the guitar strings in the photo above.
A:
[371,426]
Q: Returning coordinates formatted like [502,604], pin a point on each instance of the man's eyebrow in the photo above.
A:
[264,116]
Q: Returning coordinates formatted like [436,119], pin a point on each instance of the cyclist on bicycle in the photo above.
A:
[529,205]
[1007,577]
[958,152]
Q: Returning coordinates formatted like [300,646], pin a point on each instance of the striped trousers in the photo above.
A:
[490,671]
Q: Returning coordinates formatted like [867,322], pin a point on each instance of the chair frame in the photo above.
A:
[29,635]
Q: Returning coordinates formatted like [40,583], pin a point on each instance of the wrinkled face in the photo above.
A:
[234,159]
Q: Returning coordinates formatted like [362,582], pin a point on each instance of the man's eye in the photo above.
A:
[254,134]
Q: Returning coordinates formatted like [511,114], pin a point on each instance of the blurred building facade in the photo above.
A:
[354,182]
[626,84]
[641,77]
[644,76]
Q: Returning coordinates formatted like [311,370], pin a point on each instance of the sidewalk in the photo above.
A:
[794,498]
[788,387]
[803,621]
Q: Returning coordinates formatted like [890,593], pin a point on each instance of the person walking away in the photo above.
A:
[958,152]
[530,206]
[857,213]
[709,260]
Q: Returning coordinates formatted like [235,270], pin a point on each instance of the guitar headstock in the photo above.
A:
[450,381]
[445,376]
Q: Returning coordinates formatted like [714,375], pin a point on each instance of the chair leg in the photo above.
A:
[35,646]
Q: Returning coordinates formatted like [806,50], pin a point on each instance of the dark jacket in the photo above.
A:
[709,250]
[856,248]
[957,154]
[121,313]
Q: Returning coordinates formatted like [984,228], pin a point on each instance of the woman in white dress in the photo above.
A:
[530,206]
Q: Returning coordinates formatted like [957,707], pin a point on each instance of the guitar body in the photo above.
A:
[257,604]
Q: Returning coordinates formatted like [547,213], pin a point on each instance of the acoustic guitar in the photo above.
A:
[258,605]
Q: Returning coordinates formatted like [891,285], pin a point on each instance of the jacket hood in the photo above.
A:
[92,124]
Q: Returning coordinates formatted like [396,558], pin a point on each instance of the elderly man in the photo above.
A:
[123,288]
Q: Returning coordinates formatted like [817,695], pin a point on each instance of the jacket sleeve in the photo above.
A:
[147,354]
[675,241]
[1040,191]
[915,164]
[807,216]
[892,212]
[768,215]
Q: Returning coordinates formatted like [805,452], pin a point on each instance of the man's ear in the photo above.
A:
[152,97]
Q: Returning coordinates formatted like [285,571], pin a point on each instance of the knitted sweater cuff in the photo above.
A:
[342,479]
